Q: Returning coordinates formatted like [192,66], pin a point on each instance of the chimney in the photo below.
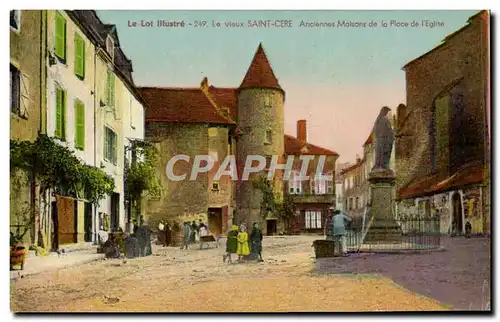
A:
[302,131]
[204,84]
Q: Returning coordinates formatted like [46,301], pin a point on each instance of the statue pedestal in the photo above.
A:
[384,228]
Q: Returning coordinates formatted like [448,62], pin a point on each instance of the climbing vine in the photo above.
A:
[283,209]
[55,167]
[140,173]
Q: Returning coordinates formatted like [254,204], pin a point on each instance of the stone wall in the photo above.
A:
[461,58]
[179,200]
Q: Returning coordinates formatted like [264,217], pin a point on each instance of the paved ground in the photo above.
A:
[175,280]
[458,276]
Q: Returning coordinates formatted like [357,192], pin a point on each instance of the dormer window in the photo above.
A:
[110,47]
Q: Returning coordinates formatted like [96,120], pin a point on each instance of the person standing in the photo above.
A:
[340,221]
[161,233]
[195,230]
[231,243]
[168,235]
[187,235]
[256,242]
[243,248]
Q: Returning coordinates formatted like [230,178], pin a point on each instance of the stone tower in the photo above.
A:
[261,119]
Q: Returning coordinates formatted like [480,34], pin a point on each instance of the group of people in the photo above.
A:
[192,232]
[240,243]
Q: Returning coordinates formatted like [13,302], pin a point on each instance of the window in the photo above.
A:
[267,101]
[215,186]
[313,219]
[329,186]
[79,56]
[110,145]
[15,90]
[357,203]
[15,19]
[321,184]
[294,185]
[110,47]
[60,37]
[79,125]
[110,89]
[60,113]
[361,205]
[269,159]
[269,137]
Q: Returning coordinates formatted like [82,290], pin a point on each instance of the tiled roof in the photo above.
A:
[473,173]
[260,74]
[185,105]
[225,97]
[352,167]
[294,146]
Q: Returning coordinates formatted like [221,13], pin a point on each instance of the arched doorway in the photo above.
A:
[457,221]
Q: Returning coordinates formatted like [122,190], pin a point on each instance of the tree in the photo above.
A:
[140,176]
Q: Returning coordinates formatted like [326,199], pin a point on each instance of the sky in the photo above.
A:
[336,78]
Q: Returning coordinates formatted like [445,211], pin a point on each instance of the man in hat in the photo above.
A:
[340,221]
[231,243]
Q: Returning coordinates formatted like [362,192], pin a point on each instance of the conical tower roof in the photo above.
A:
[260,74]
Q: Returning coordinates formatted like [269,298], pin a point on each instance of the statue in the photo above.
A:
[384,139]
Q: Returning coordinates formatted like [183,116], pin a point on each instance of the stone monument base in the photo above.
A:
[388,232]
[384,228]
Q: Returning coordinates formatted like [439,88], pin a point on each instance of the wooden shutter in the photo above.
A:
[111,89]
[60,36]
[59,112]
[106,143]
[24,96]
[79,56]
[80,125]
[115,148]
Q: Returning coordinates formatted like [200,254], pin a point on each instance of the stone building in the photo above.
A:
[339,184]
[219,122]
[27,116]
[443,152]
[314,196]
[355,192]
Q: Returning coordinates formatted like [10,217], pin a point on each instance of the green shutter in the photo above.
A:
[59,107]
[106,144]
[63,115]
[111,89]
[79,125]
[60,36]
[79,56]
[115,148]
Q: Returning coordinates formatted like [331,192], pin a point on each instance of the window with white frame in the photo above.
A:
[313,219]
[15,19]
[294,184]
[321,184]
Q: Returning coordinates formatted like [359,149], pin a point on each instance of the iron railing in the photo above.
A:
[413,234]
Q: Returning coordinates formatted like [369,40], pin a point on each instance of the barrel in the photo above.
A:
[324,248]
[18,255]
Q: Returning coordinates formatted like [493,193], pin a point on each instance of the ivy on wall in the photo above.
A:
[140,174]
[282,209]
[54,167]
